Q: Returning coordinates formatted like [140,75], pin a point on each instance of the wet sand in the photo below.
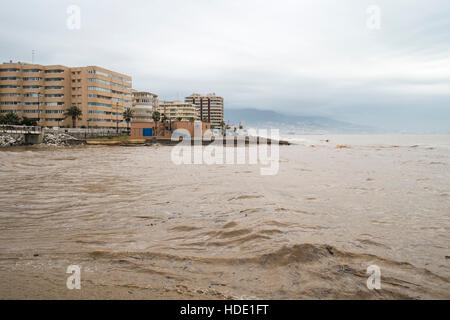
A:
[141,227]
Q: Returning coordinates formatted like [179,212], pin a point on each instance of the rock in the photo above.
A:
[57,139]
[7,140]
[49,139]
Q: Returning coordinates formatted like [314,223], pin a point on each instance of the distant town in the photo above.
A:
[56,96]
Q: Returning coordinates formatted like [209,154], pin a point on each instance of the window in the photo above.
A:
[108,83]
[54,119]
[32,79]
[9,70]
[31,70]
[54,87]
[54,79]
[31,95]
[96,104]
[98,89]
[54,71]
[54,111]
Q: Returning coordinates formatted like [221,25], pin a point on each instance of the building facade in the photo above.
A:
[149,130]
[209,108]
[144,103]
[178,111]
[44,93]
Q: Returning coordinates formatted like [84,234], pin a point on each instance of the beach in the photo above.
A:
[141,227]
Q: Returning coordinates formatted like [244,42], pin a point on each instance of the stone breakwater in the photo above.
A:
[49,139]
[58,139]
[7,140]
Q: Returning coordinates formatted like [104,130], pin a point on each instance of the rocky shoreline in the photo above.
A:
[8,140]
[49,139]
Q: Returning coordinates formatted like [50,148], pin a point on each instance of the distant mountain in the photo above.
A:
[292,123]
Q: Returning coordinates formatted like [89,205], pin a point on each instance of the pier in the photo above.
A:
[31,134]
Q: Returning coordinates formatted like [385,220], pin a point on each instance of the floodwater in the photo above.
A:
[141,227]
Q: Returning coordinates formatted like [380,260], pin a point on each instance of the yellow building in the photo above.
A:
[178,111]
[144,103]
[45,92]
[209,108]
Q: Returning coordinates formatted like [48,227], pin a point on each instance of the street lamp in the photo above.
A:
[117,117]
[39,108]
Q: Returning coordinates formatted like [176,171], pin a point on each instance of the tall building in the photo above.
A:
[209,108]
[44,93]
[102,95]
[178,110]
[144,103]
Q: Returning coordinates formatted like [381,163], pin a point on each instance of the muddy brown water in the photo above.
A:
[141,227]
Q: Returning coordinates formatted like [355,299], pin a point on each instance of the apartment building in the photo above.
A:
[209,108]
[35,91]
[45,92]
[144,103]
[102,95]
[178,110]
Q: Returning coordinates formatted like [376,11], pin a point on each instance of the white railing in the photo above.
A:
[8,128]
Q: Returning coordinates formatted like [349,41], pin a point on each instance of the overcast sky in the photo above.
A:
[304,57]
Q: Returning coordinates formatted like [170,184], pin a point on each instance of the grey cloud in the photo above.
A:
[302,57]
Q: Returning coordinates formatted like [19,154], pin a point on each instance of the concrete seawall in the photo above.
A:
[33,138]
[234,141]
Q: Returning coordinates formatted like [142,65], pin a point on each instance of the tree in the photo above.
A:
[28,122]
[191,119]
[75,113]
[222,126]
[10,118]
[127,116]
[179,118]
[156,116]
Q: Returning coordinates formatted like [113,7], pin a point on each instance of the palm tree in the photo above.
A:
[156,116]
[75,113]
[10,118]
[127,116]
[222,125]
[28,122]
